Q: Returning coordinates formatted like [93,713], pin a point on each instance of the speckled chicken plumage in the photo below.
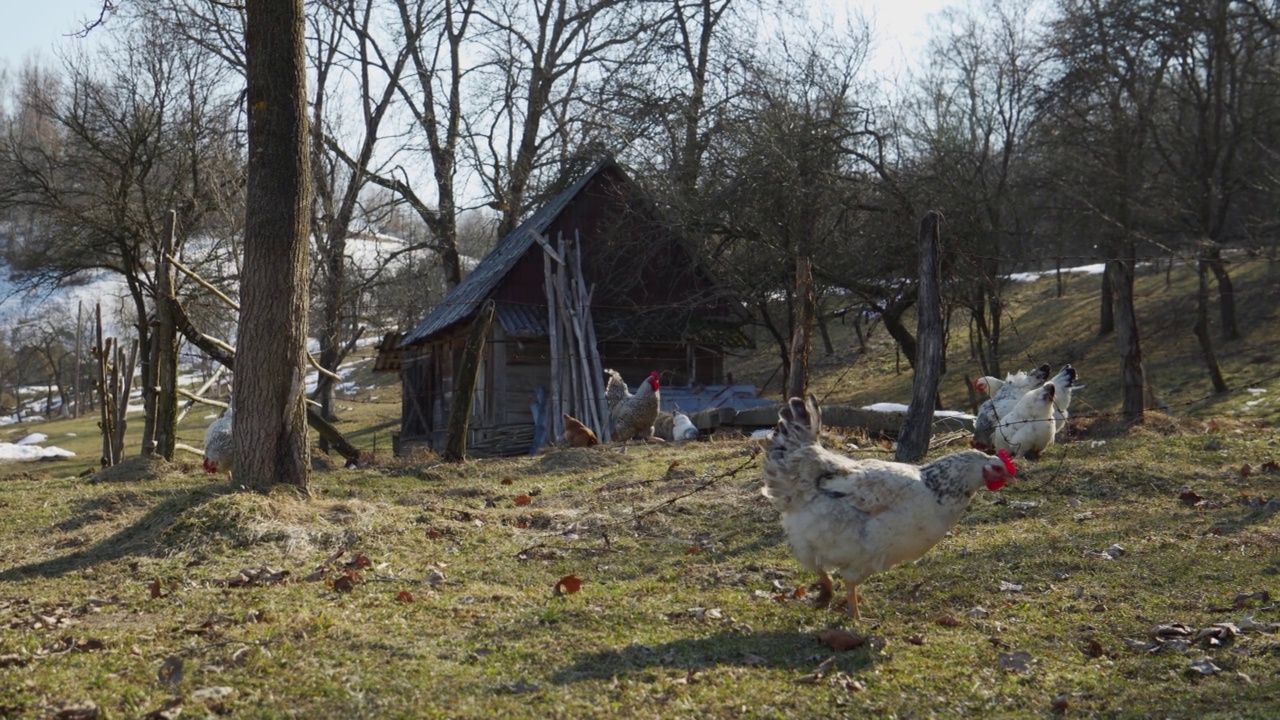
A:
[999,405]
[633,414]
[860,517]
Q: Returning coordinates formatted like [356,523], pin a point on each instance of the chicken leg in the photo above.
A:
[851,602]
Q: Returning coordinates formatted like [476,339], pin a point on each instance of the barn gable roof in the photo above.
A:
[466,298]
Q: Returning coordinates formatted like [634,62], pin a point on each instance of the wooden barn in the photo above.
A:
[610,263]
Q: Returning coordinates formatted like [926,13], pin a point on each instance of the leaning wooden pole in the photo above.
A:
[917,427]
[464,387]
[801,334]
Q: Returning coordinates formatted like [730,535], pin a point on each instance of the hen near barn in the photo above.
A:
[633,414]
[860,517]
[576,434]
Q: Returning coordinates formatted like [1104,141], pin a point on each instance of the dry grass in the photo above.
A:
[416,588]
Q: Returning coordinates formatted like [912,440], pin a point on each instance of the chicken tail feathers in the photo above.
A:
[798,424]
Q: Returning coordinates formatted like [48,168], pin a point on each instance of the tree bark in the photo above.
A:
[1201,329]
[1132,372]
[464,388]
[917,426]
[801,333]
[165,339]
[1226,291]
[1107,313]
[270,423]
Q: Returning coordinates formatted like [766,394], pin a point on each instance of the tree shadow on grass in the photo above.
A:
[141,537]
[780,650]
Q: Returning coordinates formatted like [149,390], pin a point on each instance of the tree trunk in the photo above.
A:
[165,339]
[1226,292]
[1107,317]
[270,429]
[1201,329]
[917,426]
[801,341]
[1132,375]
[464,386]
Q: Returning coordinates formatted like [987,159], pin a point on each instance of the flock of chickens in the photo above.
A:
[844,516]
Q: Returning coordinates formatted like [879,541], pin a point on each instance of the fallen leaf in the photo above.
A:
[1015,662]
[1189,497]
[1010,587]
[345,583]
[1203,666]
[1171,630]
[948,621]
[170,672]
[435,578]
[157,590]
[1060,703]
[360,561]
[674,464]
[841,640]
[1246,470]
[522,500]
[568,585]
[1092,649]
[916,639]
[692,550]
[1081,517]
[507,481]
[404,596]
[1242,600]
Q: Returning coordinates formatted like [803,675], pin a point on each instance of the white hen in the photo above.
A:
[682,428]
[219,450]
[859,517]
[1065,382]
[1012,390]
[1028,428]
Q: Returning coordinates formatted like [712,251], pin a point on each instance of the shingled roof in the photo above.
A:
[465,299]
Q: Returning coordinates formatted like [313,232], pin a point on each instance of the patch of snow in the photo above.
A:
[900,408]
[33,439]
[758,434]
[15,452]
[1255,391]
[1096,269]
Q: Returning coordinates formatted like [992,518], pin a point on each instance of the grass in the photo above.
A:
[113,581]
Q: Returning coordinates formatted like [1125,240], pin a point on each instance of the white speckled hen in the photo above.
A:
[219,450]
[859,517]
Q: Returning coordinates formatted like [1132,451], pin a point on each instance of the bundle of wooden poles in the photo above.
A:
[577,379]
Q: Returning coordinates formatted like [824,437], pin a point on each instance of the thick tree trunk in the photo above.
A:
[270,429]
[917,426]
[1132,373]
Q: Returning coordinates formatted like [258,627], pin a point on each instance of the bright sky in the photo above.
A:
[40,26]
[33,27]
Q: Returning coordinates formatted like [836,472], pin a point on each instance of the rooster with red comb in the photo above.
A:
[633,414]
[856,518]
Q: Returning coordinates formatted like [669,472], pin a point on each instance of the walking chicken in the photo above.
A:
[633,414]
[860,517]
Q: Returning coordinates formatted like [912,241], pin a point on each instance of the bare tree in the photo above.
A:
[270,427]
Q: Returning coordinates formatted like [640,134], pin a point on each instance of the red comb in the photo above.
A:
[1008,461]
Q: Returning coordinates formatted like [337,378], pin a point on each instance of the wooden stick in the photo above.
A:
[203,283]
[603,432]
[556,420]
[202,400]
